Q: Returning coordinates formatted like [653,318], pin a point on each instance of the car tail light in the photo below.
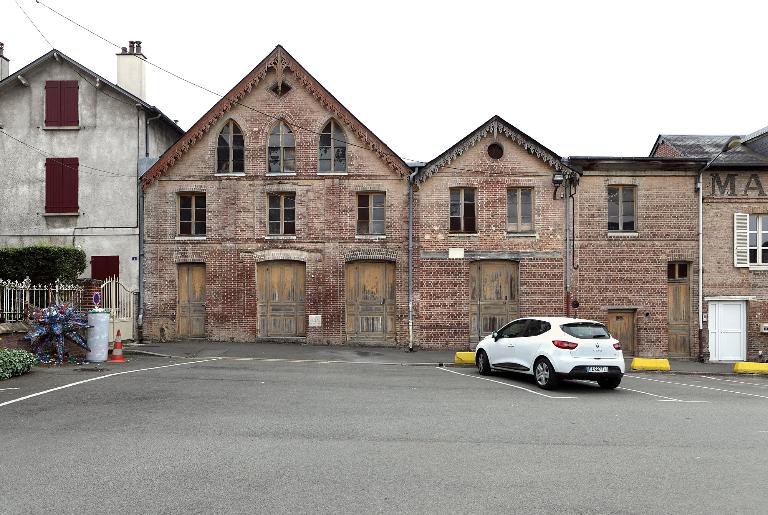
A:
[617,346]
[560,344]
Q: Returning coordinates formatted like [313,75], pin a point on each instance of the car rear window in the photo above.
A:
[586,330]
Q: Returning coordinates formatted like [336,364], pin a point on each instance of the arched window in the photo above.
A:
[230,150]
[332,154]
[281,154]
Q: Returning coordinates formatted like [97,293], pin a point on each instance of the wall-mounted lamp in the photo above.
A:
[557,179]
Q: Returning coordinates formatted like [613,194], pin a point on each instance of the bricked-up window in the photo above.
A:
[621,208]
[520,209]
[61,106]
[462,210]
[281,153]
[332,154]
[370,213]
[758,239]
[230,150]
[61,185]
[282,213]
[192,214]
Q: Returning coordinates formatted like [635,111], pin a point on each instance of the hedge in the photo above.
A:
[15,362]
[42,263]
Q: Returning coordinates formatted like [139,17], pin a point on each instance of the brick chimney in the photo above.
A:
[3,63]
[130,69]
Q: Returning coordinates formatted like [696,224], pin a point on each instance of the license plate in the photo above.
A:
[597,369]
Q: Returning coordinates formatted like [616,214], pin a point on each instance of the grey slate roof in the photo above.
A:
[695,146]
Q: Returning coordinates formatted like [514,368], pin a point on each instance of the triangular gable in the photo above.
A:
[279,59]
[495,125]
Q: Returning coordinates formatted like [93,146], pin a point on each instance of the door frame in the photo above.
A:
[713,305]
[263,304]
[389,336]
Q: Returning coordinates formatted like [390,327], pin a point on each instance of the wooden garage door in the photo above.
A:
[493,297]
[190,308]
[281,307]
[370,300]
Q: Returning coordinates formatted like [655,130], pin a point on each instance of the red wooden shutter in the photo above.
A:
[105,267]
[69,109]
[53,103]
[61,185]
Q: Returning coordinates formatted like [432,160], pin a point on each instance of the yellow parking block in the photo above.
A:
[746,367]
[464,358]
[650,364]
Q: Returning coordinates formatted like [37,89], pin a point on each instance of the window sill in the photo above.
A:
[758,268]
[332,173]
[229,174]
[189,238]
[61,214]
[623,234]
[370,236]
[288,174]
[280,237]
[522,234]
[62,128]
[460,235]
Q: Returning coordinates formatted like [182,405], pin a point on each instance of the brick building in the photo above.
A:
[490,230]
[278,215]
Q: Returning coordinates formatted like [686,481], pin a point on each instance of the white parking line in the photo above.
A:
[756,385]
[3,389]
[70,385]
[662,398]
[698,386]
[506,384]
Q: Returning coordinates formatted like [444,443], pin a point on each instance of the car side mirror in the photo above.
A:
[495,335]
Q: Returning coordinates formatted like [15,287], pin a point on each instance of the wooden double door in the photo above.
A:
[493,296]
[190,303]
[370,300]
[281,307]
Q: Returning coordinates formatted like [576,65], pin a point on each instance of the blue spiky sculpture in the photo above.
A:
[55,323]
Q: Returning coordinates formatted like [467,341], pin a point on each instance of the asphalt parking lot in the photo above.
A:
[240,435]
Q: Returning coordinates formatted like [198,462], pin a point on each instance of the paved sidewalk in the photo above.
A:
[380,355]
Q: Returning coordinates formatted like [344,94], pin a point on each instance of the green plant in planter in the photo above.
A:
[15,362]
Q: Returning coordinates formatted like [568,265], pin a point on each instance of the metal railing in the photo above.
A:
[20,299]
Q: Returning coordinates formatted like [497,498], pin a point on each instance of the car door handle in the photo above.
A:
[510,345]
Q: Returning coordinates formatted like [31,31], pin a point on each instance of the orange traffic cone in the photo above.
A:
[117,350]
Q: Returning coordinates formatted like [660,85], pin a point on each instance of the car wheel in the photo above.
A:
[544,373]
[483,364]
[609,383]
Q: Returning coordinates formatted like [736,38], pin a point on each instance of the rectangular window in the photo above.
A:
[61,103]
[61,185]
[370,213]
[105,267]
[192,214]
[677,272]
[520,210]
[282,213]
[621,208]
[758,239]
[462,210]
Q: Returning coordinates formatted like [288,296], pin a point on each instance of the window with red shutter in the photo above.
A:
[61,103]
[105,267]
[61,185]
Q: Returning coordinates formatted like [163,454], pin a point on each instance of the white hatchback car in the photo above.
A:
[551,349]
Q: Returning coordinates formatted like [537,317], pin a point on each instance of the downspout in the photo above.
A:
[701,260]
[410,258]
[140,193]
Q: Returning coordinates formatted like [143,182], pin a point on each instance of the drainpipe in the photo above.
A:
[410,259]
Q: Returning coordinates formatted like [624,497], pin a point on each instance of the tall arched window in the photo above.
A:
[230,150]
[281,153]
[332,154]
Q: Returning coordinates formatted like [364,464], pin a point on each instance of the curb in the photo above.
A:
[748,367]
[464,358]
[650,364]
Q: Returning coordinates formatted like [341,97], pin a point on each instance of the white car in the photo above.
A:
[553,348]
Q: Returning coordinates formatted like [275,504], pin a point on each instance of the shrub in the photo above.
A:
[15,362]
[42,263]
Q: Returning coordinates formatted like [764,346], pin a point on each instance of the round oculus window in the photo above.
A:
[495,151]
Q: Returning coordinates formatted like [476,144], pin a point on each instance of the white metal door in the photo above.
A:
[727,331]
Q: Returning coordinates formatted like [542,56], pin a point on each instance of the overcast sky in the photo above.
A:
[581,77]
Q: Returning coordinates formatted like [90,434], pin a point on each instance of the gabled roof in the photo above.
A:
[279,59]
[712,147]
[496,125]
[59,55]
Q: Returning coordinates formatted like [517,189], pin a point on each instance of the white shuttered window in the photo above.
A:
[741,240]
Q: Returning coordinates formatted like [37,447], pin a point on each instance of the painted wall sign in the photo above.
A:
[315,320]
[736,185]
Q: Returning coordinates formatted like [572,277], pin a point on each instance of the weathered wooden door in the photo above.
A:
[678,309]
[493,296]
[190,310]
[281,307]
[370,300]
[621,325]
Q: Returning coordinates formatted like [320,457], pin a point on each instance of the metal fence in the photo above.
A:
[20,299]
[121,303]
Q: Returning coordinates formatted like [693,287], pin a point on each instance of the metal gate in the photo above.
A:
[121,303]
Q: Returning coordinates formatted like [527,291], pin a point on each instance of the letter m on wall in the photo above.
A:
[740,240]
